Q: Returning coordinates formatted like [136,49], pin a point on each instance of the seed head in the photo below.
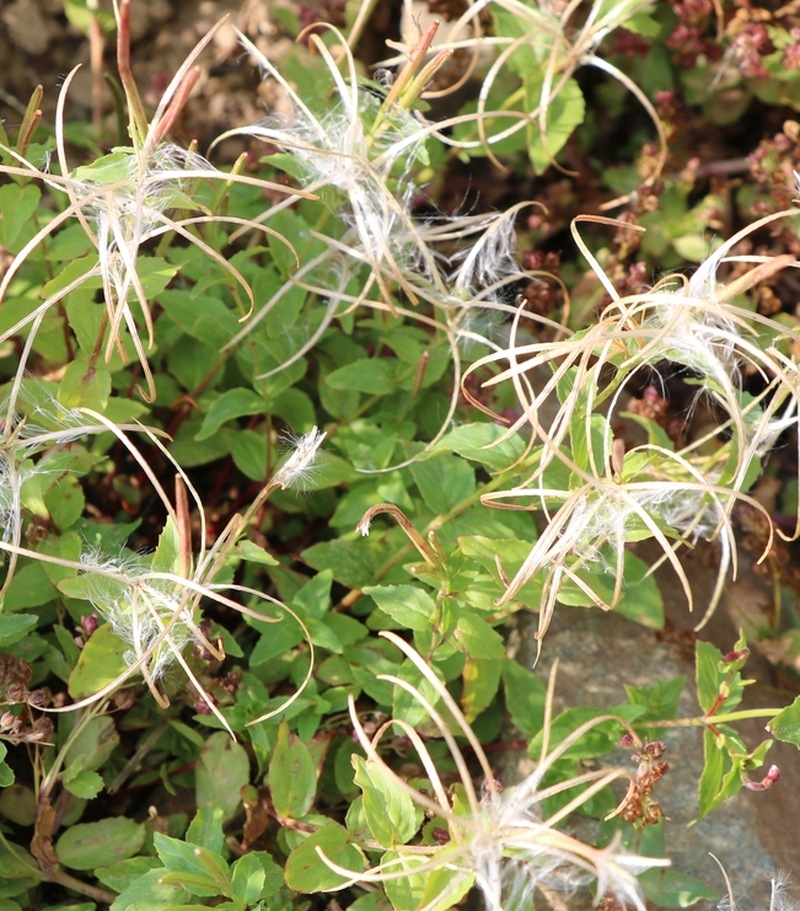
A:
[298,470]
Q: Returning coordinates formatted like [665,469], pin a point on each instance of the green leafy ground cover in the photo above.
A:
[286,442]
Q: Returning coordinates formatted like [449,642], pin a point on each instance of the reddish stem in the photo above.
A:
[177,103]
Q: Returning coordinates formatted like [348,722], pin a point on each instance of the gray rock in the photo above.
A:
[753,834]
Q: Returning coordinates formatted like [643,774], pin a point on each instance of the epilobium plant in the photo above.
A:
[361,155]
[497,839]
[32,462]
[613,494]
[529,98]
[177,619]
[152,604]
[123,200]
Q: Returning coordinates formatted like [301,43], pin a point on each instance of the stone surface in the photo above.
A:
[752,834]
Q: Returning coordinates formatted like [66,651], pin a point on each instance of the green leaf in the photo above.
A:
[407,706]
[6,772]
[253,553]
[339,403]
[477,638]
[295,229]
[114,167]
[524,697]
[18,804]
[706,663]
[85,16]
[409,606]
[155,273]
[352,564]
[307,872]
[371,375]
[120,875]
[296,408]
[232,404]
[204,317]
[564,112]
[84,266]
[84,386]
[205,829]
[323,636]
[292,775]
[710,785]
[15,627]
[661,699]
[786,724]
[85,318]
[19,870]
[102,660]
[481,682]
[372,901]
[718,676]
[691,247]
[222,771]
[65,502]
[276,639]
[476,442]
[642,23]
[167,556]
[18,205]
[249,453]
[346,630]
[83,784]
[444,482]
[97,844]
[314,599]
[200,871]
[392,816]
[188,452]
[67,546]
[147,892]
[176,855]
[255,876]
[31,587]
[599,740]
[31,495]
[673,889]
[433,890]
[588,449]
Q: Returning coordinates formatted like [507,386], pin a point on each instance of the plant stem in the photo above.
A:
[707,720]
[434,525]
[71,882]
